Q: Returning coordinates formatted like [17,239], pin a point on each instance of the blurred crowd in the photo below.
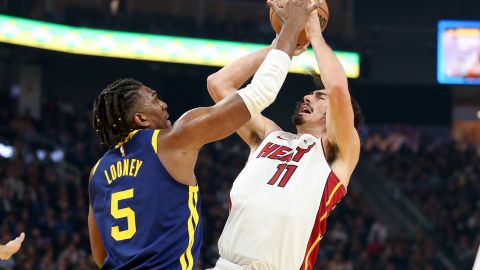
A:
[48,200]
[440,177]
[39,198]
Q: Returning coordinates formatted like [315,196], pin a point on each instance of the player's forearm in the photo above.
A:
[287,39]
[331,71]
[230,78]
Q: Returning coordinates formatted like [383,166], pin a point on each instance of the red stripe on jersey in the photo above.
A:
[332,194]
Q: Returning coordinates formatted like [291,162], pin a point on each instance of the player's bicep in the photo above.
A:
[340,117]
[340,121]
[203,125]
[98,251]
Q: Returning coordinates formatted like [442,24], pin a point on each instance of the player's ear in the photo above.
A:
[140,120]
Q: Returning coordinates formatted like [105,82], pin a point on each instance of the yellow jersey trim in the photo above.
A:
[186,260]
[128,138]
[94,169]
[155,140]
[324,216]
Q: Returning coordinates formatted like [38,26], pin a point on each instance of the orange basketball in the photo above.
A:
[323,14]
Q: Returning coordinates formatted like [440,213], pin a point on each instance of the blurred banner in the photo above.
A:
[149,47]
[459,52]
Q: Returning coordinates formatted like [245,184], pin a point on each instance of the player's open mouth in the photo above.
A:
[306,109]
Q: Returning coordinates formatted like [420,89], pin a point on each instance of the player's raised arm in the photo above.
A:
[204,125]
[226,81]
[230,78]
[341,131]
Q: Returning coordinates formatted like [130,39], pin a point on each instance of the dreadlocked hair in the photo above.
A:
[111,111]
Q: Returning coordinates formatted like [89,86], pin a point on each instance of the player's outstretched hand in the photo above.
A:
[312,28]
[6,251]
[301,48]
[293,13]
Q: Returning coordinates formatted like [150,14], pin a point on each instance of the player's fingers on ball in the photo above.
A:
[313,7]
[273,5]
[270,3]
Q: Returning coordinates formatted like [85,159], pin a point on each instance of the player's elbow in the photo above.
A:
[212,82]
[98,261]
[99,254]
[339,93]
[214,86]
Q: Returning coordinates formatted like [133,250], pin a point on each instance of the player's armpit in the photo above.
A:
[341,132]
[255,131]
[98,251]
[257,128]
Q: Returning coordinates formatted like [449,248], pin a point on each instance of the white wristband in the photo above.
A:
[266,83]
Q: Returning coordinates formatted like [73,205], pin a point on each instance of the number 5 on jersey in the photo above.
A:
[123,213]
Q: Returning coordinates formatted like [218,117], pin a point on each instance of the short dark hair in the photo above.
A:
[112,110]
[358,117]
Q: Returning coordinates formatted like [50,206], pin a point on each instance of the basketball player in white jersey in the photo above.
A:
[476,264]
[291,182]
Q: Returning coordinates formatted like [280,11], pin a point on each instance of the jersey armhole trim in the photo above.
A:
[94,169]
[155,140]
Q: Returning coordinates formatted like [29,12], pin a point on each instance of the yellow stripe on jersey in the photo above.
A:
[155,140]
[95,167]
[186,260]
[321,219]
[333,192]
[128,138]
[311,249]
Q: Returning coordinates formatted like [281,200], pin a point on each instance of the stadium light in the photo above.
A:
[106,43]
[6,151]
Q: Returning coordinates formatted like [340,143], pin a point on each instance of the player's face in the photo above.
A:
[313,110]
[153,109]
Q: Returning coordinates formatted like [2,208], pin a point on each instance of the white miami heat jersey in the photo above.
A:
[279,205]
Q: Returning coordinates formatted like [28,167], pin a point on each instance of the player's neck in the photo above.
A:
[318,132]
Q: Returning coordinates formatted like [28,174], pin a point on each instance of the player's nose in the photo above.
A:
[306,99]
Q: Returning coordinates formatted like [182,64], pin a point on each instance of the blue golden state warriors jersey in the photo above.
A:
[146,219]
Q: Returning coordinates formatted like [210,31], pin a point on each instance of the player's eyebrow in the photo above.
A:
[319,94]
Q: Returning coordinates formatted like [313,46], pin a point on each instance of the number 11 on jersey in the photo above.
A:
[290,169]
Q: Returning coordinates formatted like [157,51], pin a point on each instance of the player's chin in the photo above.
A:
[298,119]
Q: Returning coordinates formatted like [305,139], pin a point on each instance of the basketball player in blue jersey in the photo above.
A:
[144,201]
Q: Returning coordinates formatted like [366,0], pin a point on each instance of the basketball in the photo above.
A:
[323,14]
